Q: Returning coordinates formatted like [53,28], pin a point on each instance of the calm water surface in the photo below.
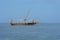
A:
[44,31]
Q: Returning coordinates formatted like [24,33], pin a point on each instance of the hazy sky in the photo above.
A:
[47,11]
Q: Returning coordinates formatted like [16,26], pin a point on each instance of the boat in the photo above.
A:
[25,22]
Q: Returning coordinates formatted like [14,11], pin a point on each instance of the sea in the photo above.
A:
[42,31]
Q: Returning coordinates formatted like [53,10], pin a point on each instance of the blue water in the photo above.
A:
[44,31]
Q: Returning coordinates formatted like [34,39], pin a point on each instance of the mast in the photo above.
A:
[26,15]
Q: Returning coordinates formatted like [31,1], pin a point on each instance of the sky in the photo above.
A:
[44,11]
